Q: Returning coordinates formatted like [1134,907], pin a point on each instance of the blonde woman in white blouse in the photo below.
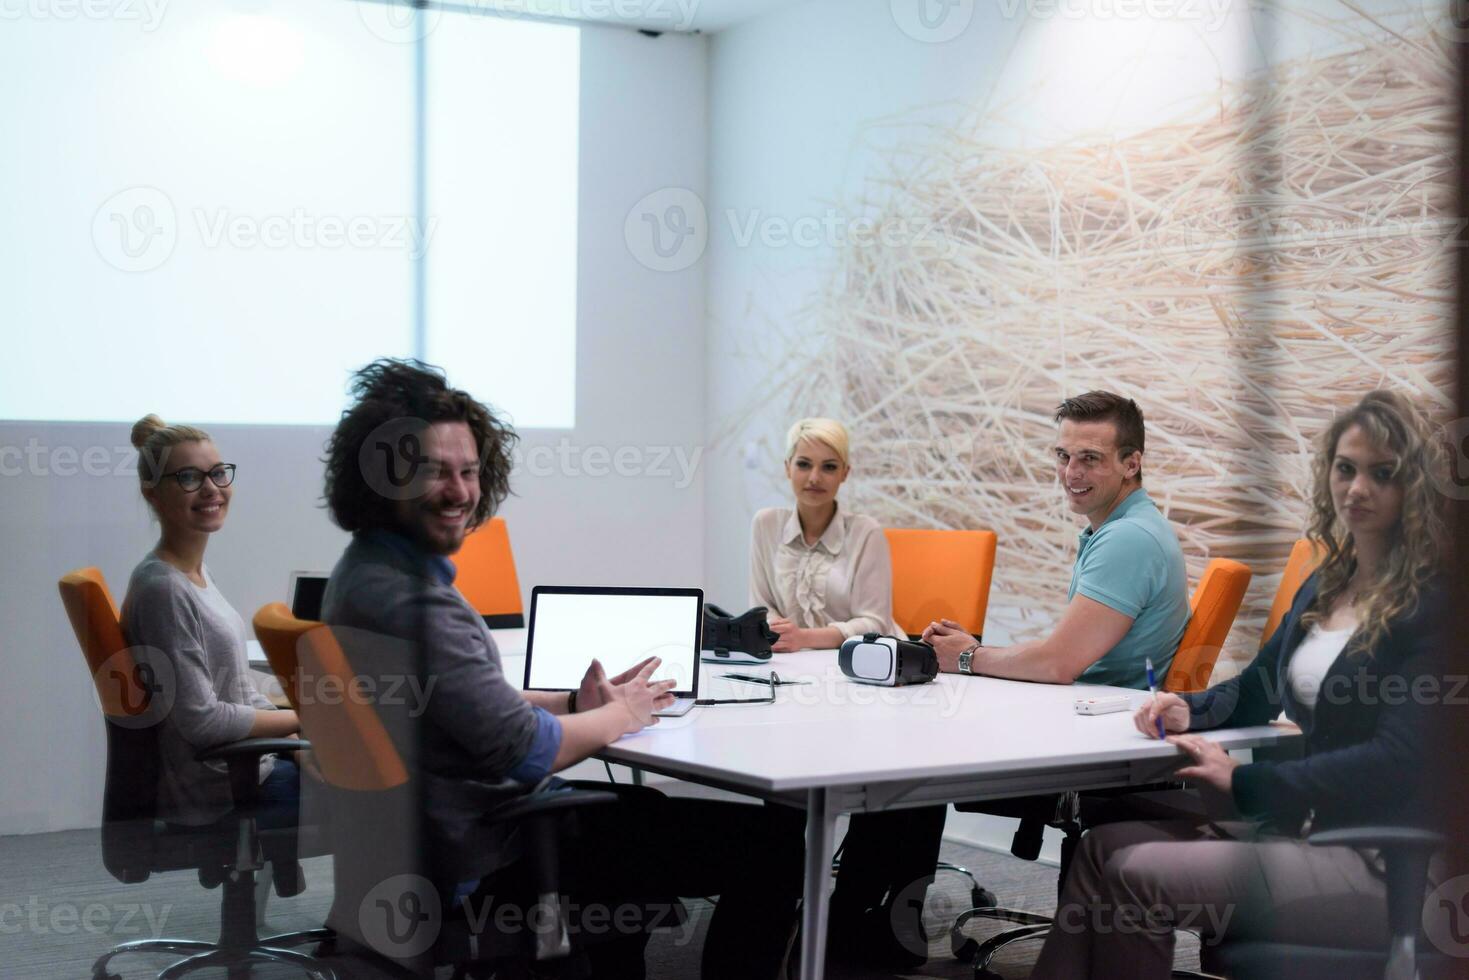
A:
[823,573]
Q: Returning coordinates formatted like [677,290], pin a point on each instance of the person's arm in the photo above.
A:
[164,629]
[871,590]
[1253,696]
[556,702]
[1380,771]
[762,572]
[1088,629]
[623,705]
[275,723]
[470,700]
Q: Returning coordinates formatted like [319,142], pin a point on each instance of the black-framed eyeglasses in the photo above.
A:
[773,680]
[191,478]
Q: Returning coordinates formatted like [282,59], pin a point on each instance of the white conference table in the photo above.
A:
[832,746]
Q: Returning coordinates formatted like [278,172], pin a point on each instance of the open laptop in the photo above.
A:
[306,592]
[570,625]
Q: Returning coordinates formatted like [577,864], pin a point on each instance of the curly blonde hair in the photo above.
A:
[1396,426]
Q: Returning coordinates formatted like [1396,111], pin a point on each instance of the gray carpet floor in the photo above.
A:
[59,910]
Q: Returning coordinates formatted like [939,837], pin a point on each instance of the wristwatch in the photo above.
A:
[966,657]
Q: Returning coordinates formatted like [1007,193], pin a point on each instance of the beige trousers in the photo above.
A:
[1132,884]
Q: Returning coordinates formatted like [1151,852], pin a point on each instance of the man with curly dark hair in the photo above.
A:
[413,466]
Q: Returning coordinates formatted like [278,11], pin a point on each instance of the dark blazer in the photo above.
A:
[1366,739]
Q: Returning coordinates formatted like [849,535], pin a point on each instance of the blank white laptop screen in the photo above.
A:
[569,626]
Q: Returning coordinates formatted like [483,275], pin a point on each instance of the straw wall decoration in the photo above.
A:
[1243,273]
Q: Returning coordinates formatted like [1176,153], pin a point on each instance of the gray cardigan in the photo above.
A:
[194,642]
[461,727]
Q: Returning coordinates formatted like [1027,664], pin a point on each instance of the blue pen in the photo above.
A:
[1153,690]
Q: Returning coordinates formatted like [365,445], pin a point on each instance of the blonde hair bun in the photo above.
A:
[144,428]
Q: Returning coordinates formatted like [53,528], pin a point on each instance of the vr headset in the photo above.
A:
[747,634]
[887,660]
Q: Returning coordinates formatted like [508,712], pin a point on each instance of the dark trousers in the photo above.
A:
[627,862]
[888,862]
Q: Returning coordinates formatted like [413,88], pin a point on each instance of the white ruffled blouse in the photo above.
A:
[844,580]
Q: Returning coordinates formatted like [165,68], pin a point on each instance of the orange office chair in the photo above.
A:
[486,576]
[363,745]
[135,695]
[1214,605]
[940,574]
[279,634]
[1304,557]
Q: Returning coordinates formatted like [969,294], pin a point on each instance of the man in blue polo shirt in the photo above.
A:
[1128,599]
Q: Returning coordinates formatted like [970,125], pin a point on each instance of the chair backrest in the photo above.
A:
[125,688]
[939,574]
[1215,603]
[279,634]
[1304,557]
[98,628]
[339,715]
[486,575]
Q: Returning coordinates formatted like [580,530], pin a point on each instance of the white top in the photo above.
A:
[844,580]
[1312,659]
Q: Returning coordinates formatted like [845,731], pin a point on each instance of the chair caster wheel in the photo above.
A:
[105,975]
[982,898]
[966,951]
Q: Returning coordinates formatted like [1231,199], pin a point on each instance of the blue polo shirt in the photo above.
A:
[1133,564]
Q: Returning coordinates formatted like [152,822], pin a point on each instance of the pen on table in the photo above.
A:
[1153,690]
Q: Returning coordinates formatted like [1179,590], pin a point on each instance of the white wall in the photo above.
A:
[640,362]
[789,93]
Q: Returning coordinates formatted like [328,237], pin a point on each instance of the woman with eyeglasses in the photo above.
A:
[178,621]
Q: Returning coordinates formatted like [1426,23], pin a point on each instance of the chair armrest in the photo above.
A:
[536,804]
[1406,852]
[251,748]
[243,759]
[1385,838]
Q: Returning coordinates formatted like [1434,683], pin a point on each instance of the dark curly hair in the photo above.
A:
[407,395]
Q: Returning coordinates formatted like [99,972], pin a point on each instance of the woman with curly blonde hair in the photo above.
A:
[1356,664]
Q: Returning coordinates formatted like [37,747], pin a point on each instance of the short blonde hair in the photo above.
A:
[828,431]
[153,438]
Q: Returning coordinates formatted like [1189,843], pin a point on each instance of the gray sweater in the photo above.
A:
[459,724]
[194,641]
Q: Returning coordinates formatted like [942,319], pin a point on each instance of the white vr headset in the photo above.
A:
[887,660]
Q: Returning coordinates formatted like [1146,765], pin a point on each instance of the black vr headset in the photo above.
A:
[887,660]
[747,634]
